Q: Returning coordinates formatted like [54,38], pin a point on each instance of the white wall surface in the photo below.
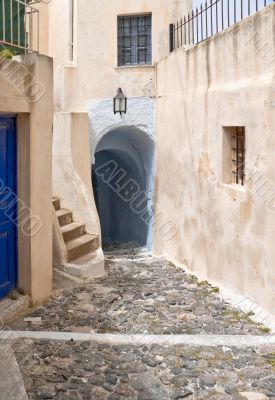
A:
[224,232]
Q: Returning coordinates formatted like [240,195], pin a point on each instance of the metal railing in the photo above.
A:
[211,18]
[19,26]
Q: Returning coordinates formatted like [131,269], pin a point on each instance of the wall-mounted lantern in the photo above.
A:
[120,103]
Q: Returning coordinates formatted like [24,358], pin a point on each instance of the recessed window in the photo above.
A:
[238,155]
[134,40]
[234,155]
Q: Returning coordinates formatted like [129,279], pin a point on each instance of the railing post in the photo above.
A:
[229,10]
[171,37]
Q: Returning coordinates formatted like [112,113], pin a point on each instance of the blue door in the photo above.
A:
[8,206]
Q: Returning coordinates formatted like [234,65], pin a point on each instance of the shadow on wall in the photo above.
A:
[123,186]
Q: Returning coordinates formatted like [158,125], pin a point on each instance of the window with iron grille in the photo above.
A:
[233,155]
[238,155]
[134,40]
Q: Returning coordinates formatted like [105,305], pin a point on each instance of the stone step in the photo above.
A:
[56,203]
[81,246]
[73,231]
[64,216]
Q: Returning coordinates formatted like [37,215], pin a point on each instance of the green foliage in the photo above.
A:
[235,315]
[7,53]
[203,283]
[271,359]
[264,329]
[249,314]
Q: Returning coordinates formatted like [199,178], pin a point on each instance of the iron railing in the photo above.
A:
[19,26]
[211,18]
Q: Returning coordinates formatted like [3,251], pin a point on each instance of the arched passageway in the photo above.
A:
[123,186]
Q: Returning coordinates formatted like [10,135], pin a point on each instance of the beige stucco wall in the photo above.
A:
[87,78]
[43,32]
[34,154]
[72,168]
[224,232]
[92,72]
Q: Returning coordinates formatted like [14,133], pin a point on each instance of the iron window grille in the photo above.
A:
[238,155]
[135,40]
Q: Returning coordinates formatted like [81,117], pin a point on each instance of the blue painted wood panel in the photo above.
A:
[8,206]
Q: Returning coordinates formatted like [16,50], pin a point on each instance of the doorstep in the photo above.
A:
[10,309]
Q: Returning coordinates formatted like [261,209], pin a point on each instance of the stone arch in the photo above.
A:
[123,185]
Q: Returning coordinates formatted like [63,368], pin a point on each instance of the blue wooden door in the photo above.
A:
[8,206]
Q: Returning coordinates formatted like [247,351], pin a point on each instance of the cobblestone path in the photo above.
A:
[70,370]
[143,294]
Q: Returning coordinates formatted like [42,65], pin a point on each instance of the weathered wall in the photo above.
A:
[72,168]
[140,114]
[87,76]
[225,232]
[91,72]
[43,40]
[26,91]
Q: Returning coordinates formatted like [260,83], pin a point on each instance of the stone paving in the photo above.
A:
[85,370]
[141,294]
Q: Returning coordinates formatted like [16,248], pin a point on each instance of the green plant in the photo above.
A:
[236,316]
[264,329]
[7,53]
[271,359]
[203,283]
[250,314]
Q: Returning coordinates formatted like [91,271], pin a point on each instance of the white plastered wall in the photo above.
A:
[225,233]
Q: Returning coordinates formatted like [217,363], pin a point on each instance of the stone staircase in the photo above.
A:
[78,242]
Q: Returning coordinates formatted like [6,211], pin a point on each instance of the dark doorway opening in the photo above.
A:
[123,184]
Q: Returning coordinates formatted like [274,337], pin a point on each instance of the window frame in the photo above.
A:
[134,54]
[238,143]
[234,155]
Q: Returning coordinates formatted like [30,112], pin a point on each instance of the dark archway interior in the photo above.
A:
[122,173]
